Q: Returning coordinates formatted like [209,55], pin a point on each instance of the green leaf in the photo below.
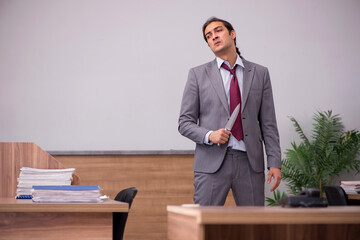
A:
[277,197]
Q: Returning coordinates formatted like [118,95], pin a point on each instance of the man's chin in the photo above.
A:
[217,48]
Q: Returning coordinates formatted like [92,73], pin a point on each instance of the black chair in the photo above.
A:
[119,219]
[336,196]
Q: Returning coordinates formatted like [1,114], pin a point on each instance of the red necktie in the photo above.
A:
[235,99]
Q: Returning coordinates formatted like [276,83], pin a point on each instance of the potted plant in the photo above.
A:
[317,160]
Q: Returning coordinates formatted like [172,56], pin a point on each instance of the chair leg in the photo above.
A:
[119,221]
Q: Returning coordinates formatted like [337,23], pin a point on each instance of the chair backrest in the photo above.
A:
[119,219]
[336,196]
[126,195]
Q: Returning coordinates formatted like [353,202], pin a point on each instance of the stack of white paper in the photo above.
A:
[351,187]
[32,176]
[67,194]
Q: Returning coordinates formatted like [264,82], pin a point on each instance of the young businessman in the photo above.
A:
[230,159]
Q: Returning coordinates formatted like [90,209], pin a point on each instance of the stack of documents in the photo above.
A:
[32,176]
[351,187]
[67,194]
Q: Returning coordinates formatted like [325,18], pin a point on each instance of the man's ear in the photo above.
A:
[233,34]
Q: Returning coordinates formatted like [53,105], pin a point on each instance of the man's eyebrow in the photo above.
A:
[213,29]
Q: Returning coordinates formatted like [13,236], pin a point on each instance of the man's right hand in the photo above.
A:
[220,136]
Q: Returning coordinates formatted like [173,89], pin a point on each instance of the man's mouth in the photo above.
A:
[217,43]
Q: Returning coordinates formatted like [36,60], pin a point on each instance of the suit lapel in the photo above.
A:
[216,80]
[247,80]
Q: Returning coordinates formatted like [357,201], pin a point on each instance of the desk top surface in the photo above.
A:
[27,205]
[270,215]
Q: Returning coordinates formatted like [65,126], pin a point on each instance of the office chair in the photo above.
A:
[336,196]
[119,219]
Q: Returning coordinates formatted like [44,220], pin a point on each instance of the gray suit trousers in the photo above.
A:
[235,173]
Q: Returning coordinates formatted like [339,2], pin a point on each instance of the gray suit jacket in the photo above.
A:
[204,107]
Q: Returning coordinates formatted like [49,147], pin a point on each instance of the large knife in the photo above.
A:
[232,119]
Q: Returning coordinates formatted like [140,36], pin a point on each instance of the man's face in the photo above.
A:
[219,39]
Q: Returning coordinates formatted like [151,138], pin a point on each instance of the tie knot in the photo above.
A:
[232,71]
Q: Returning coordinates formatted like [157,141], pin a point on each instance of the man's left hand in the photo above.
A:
[276,173]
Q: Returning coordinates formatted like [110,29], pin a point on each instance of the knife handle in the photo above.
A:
[219,143]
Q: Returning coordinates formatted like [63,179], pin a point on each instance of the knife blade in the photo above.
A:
[232,119]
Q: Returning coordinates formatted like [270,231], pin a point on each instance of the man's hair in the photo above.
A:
[226,24]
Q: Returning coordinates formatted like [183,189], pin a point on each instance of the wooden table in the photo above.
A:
[250,223]
[354,199]
[24,219]
[353,196]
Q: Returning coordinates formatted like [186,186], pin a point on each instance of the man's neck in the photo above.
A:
[229,57]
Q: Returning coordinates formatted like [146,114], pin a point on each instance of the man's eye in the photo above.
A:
[208,36]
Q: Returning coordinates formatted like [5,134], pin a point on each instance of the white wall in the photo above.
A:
[109,75]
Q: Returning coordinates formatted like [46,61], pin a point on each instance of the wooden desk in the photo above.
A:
[24,219]
[250,223]
[353,199]
[353,196]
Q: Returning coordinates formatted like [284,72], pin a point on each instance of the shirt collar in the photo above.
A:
[221,61]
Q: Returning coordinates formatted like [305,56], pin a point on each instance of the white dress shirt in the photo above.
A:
[226,77]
